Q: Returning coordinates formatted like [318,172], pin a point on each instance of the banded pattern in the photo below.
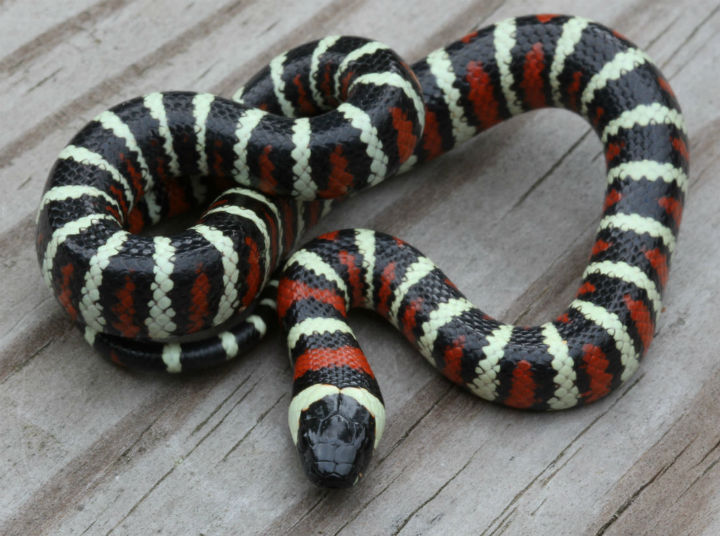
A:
[163,154]
[575,359]
[579,357]
[321,122]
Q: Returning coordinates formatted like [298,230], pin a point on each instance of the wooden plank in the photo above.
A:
[27,31]
[91,449]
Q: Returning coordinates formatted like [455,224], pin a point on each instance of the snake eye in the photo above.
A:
[335,441]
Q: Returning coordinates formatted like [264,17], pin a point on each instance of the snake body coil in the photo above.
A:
[322,121]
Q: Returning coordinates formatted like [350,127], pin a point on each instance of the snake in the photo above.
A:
[322,122]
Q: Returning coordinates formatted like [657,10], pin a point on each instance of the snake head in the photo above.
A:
[335,439]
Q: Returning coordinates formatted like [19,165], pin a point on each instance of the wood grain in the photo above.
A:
[91,449]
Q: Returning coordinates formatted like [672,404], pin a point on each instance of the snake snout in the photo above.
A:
[335,441]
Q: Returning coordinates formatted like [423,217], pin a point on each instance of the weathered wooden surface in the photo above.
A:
[86,448]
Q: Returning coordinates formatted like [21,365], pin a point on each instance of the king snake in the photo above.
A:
[321,122]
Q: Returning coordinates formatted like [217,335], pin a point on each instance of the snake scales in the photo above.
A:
[323,121]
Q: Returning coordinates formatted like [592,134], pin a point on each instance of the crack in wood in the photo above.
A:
[573,260]
[548,173]
[705,471]
[187,455]
[222,403]
[48,297]
[400,473]
[140,436]
[438,400]
[662,32]
[271,26]
[368,503]
[422,417]
[712,449]
[41,82]
[700,477]
[687,39]
[257,422]
[26,361]
[91,525]
[323,495]
[592,423]
[538,507]
[546,481]
[437,492]
[222,420]
[140,501]
[633,497]
[24,183]
[532,303]
[80,475]
[504,524]
[510,508]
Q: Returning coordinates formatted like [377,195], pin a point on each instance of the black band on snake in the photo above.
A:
[321,122]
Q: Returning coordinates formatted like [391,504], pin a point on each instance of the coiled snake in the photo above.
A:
[320,122]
